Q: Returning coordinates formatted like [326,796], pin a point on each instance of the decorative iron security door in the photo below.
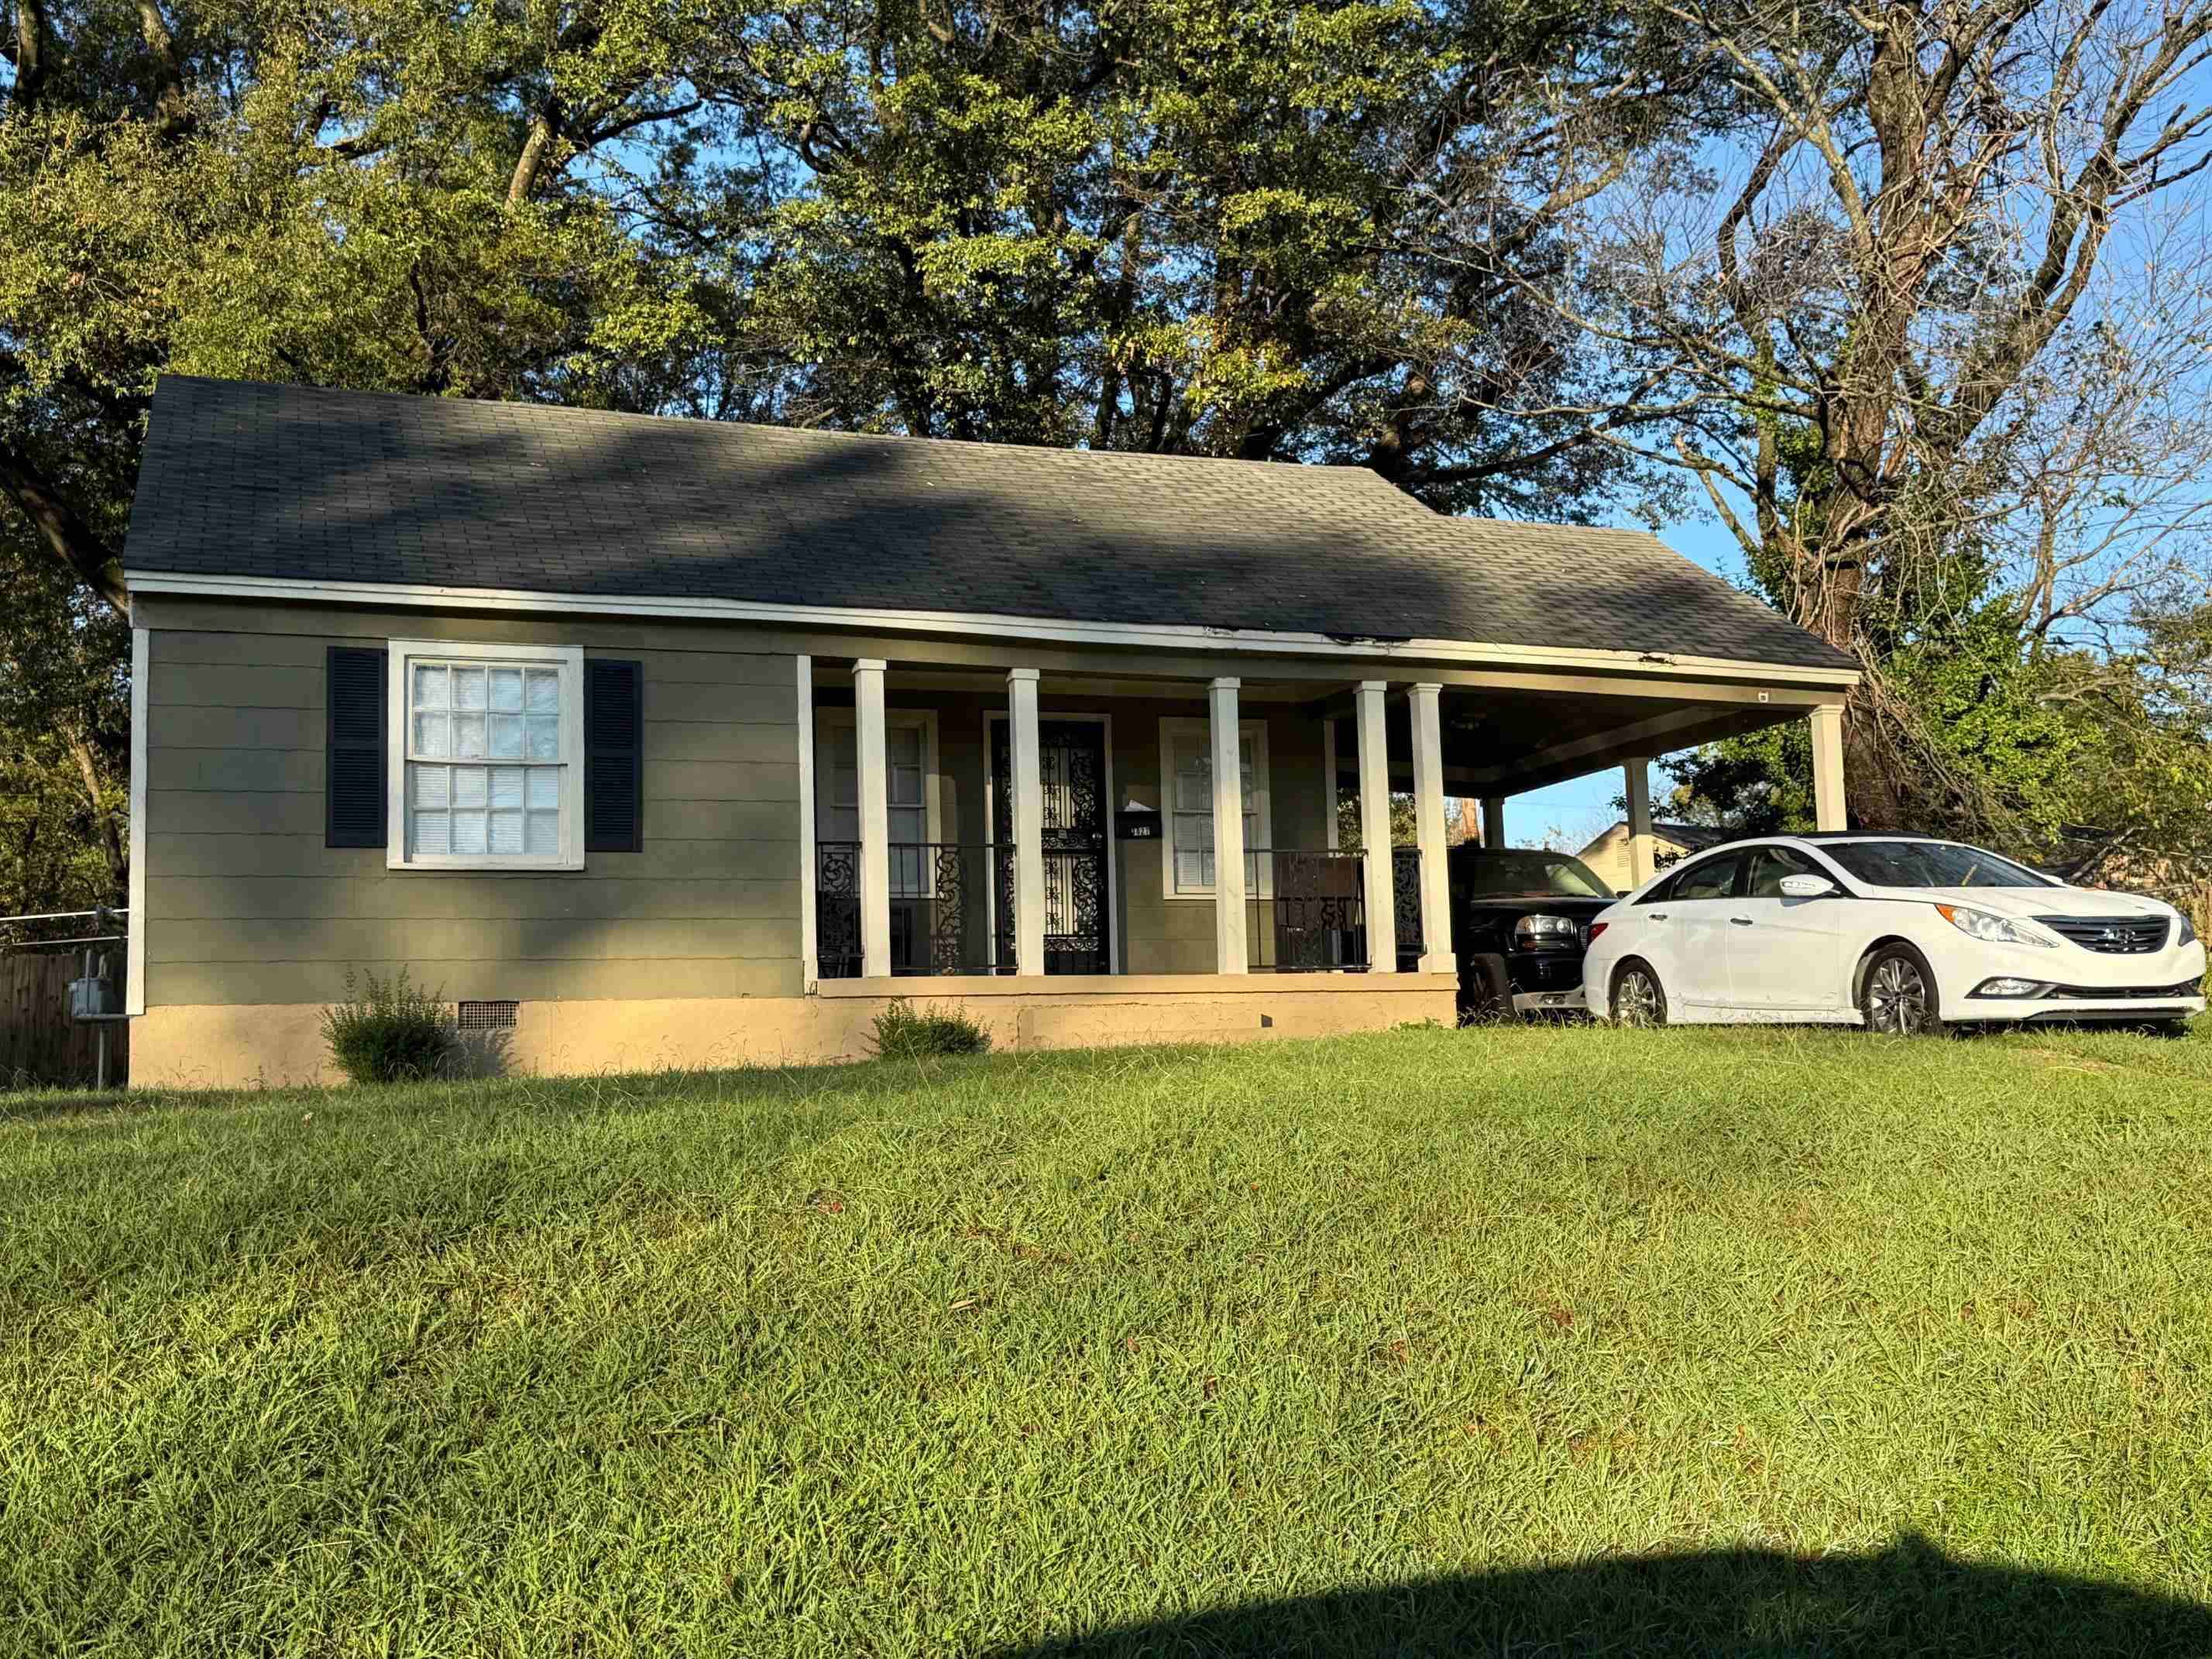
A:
[1072,761]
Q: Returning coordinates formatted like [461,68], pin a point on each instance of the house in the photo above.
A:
[1612,855]
[659,742]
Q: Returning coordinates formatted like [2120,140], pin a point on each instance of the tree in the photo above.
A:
[1866,309]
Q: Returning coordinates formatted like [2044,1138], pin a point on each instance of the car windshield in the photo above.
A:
[1929,864]
[1550,875]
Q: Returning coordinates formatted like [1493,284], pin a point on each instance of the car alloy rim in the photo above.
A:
[1639,1000]
[1897,998]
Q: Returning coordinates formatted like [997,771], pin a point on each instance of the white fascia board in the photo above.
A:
[1157,636]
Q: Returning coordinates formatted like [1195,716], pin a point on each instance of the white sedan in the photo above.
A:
[1900,933]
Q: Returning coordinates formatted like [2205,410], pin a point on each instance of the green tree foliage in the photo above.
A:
[1267,230]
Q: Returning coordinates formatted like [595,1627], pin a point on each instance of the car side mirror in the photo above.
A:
[1807,887]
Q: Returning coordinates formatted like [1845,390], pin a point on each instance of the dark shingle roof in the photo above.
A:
[243,479]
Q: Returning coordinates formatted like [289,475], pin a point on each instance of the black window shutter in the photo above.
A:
[614,756]
[354,720]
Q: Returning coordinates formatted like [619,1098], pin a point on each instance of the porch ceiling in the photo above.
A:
[1504,742]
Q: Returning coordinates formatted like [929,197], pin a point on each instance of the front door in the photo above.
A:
[1072,761]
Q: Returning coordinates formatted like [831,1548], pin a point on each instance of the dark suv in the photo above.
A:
[1520,923]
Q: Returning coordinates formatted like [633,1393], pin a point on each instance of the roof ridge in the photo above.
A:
[704,423]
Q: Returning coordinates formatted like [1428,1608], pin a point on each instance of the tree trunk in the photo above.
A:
[111,837]
[66,536]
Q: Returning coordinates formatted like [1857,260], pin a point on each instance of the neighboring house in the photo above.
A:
[675,742]
[1611,855]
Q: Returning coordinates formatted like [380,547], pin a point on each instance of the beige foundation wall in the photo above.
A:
[245,905]
[233,1047]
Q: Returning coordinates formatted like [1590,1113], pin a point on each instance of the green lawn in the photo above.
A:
[1524,1340]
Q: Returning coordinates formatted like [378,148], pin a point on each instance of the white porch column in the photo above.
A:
[1379,898]
[810,873]
[875,819]
[1829,812]
[1643,851]
[1493,822]
[1231,948]
[1028,822]
[1436,956]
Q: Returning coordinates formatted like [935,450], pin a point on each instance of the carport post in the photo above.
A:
[1493,822]
[1641,849]
[1828,809]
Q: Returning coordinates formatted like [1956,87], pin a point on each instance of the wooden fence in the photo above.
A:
[38,1042]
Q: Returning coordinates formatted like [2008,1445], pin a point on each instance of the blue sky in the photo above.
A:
[1576,811]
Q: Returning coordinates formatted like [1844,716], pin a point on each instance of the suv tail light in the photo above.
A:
[1595,929]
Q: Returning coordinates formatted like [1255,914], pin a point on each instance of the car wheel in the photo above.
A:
[1897,993]
[1639,999]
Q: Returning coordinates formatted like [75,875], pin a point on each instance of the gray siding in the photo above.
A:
[244,903]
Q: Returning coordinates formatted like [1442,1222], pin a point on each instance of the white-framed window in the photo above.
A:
[487,748]
[1187,794]
[910,767]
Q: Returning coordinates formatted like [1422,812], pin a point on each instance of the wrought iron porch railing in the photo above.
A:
[940,906]
[1406,906]
[1306,910]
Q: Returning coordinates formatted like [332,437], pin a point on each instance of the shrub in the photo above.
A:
[391,1032]
[905,1032]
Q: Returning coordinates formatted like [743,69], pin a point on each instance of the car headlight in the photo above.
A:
[2187,935]
[1993,930]
[1547,932]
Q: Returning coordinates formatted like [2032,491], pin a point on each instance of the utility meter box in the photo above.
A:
[91,998]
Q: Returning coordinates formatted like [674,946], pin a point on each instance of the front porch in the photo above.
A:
[987,823]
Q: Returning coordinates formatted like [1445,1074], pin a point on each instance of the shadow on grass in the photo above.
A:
[1909,1599]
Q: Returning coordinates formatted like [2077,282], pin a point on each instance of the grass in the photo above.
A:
[1522,1340]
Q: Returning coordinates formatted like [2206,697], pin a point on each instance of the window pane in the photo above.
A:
[468,832]
[469,736]
[844,788]
[903,745]
[904,788]
[468,786]
[1193,831]
[430,785]
[544,737]
[468,687]
[430,735]
[544,788]
[543,838]
[506,688]
[908,824]
[506,786]
[1194,787]
[543,696]
[507,832]
[507,737]
[429,688]
[431,833]
[1192,871]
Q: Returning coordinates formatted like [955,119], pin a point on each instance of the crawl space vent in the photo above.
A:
[485,1015]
